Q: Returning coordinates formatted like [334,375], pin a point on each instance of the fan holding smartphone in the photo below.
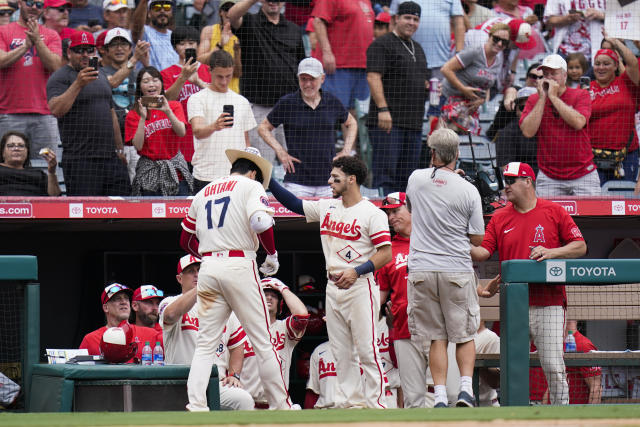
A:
[154,127]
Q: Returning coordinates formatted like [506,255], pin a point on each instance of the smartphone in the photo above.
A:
[152,101]
[228,109]
[576,11]
[585,82]
[190,53]
[93,62]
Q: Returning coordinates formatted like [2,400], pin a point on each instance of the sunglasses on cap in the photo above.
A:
[157,7]
[83,49]
[37,4]
[390,201]
[534,76]
[500,40]
[117,2]
[150,292]
[113,289]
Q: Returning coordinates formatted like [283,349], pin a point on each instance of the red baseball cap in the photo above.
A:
[82,38]
[146,292]
[394,200]
[101,38]
[383,17]
[522,34]
[186,261]
[519,169]
[113,289]
[56,3]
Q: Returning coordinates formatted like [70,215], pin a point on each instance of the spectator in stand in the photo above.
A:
[5,12]
[615,98]
[558,117]
[381,24]
[220,37]
[116,308]
[507,110]
[56,17]
[299,12]
[511,144]
[585,382]
[155,130]
[344,29]
[577,67]
[213,129]
[309,117]
[144,306]
[271,50]
[440,19]
[160,15]
[397,76]
[475,14]
[80,97]
[577,26]
[119,66]
[85,16]
[470,75]
[17,178]
[117,14]
[183,79]
[511,9]
[29,53]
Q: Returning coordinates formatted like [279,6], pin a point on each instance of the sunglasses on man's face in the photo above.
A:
[534,76]
[6,12]
[80,50]
[162,6]
[37,4]
[500,40]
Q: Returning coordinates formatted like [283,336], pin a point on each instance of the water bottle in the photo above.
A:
[570,343]
[147,354]
[158,355]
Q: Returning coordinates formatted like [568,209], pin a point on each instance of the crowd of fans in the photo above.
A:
[577,125]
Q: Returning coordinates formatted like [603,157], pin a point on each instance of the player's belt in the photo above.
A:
[229,254]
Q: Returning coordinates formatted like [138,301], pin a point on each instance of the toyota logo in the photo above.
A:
[555,271]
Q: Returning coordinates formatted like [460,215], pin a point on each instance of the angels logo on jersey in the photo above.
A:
[189,323]
[539,236]
[575,232]
[278,341]
[340,229]
[383,342]
[326,369]
[401,260]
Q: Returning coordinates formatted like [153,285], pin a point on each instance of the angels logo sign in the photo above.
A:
[539,236]
[85,39]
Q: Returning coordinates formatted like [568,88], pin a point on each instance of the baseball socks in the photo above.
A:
[440,397]
[466,385]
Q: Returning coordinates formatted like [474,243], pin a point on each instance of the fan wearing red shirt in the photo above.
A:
[557,116]
[537,229]
[155,132]
[614,103]
[116,307]
[185,78]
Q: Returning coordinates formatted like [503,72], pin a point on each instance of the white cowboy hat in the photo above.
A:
[252,154]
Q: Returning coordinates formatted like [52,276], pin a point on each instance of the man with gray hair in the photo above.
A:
[441,290]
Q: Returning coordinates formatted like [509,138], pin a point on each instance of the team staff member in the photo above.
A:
[441,292]
[226,216]
[179,322]
[286,334]
[144,305]
[116,307]
[356,242]
[533,228]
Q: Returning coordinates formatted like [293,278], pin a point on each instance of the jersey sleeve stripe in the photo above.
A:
[189,224]
[381,240]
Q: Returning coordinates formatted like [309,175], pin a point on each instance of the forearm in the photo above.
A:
[284,196]
[172,93]
[203,131]
[265,131]
[351,131]
[377,89]
[451,77]
[50,60]
[138,20]
[595,389]
[138,138]
[60,105]
[296,307]
[9,58]
[381,257]
[321,34]
[236,359]
[531,123]
[53,187]
[458,32]
[558,21]
[119,76]
[178,127]
[574,249]
[574,119]
[174,311]
[479,254]
[117,135]
[238,11]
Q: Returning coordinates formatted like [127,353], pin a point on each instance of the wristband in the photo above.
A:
[234,375]
[383,109]
[365,268]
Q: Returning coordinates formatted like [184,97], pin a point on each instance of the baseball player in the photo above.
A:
[226,220]
[116,308]
[355,241]
[286,334]
[178,316]
[391,375]
[322,381]
[144,306]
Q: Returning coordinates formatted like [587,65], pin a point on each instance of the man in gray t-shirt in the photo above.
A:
[441,291]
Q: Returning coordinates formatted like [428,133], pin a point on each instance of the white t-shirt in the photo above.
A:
[322,376]
[220,214]
[446,208]
[209,161]
[284,338]
[350,236]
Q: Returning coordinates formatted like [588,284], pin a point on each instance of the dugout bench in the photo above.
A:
[124,387]
[592,302]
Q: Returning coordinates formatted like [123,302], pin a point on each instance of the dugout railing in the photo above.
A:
[514,359]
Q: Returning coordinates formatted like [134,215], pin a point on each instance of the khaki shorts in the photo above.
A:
[443,306]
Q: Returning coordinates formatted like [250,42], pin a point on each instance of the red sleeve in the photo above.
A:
[531,102]
[177,109]
[167,77]
[296,325]
[130,126]
[568,230]
[489,242]
[91,342]
[204,74]
[582,103]
[189,242]
[324,9]
[382,277]
[310,399]
[309,28]
[267,241]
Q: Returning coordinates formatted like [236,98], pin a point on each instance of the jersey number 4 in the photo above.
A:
[208,206]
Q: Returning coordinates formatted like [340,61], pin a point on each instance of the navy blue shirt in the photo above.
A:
[310,135]
[83,15]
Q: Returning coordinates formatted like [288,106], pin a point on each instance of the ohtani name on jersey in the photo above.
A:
[220,187]
[340,229]
[326,369]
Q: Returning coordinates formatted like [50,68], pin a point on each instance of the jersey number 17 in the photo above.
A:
[208,206]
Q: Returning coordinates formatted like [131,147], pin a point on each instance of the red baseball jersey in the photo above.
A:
[393,277]
[578,389]
[513,234]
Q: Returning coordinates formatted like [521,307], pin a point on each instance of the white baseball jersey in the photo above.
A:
[322,376]
[220,214]
[284,338]
[350,236]
[384,347]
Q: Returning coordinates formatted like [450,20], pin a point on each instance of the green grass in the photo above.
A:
[319,416]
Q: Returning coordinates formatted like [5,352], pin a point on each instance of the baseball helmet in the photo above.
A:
[276,283]
[306,283]
[117,344]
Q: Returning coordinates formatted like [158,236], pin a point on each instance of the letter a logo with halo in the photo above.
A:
[556,271]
